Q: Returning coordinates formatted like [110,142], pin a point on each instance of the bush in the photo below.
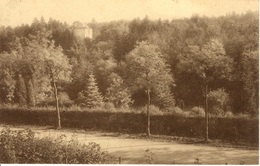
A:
[197,111]
[228,114]
[153,110]
[73,108]
[178,112]
[64,101]
[109,106]
[23,147]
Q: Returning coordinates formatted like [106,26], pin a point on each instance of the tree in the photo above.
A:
[91,96]
[81,68]
[208,63]
[241,40]
[21,69]
[31,62]
[58,69]
[163,97]
[7,74]
[147,70]
[104,64]
[117,93]
[20,91]
[246,81]
[44,59]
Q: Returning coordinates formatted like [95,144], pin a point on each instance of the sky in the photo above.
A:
[17,12]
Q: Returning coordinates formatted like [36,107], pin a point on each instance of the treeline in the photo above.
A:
[174,63]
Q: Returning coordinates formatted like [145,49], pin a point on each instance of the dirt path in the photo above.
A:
[134,150]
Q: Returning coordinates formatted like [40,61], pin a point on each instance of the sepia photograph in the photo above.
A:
[129,82]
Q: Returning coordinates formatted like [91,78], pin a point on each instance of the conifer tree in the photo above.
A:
[91,95]
[20,91]
[30,92]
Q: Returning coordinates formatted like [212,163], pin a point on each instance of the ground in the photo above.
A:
[133,150]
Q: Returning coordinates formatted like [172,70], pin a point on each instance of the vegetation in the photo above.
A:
[147,71]
[236,129]
[117,92]
[23,147]
[207,64]
[91,96]
[132,64]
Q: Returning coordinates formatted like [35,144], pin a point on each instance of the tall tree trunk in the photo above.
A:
[57,104]
[148,112]
[206,114]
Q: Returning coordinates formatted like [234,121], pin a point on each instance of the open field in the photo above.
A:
[134,150]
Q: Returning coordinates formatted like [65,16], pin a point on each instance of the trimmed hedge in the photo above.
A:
[229,129]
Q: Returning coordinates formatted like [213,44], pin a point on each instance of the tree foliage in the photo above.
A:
[91,96]
[222,51]
[208,64]
[117,92]
[146,68]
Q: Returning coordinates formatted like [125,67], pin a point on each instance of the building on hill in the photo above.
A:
[82,31]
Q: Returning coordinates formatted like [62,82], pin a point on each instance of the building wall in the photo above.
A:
[82,33]
[88,33]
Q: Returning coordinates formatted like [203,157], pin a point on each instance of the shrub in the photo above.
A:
[216,111]
[73,108]
[23,147]
[243,116]
[109,106]
[228,114]
[64,101]
[197,111]
[178,111]
[153,110]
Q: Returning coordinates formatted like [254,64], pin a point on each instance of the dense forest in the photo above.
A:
[176,63]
